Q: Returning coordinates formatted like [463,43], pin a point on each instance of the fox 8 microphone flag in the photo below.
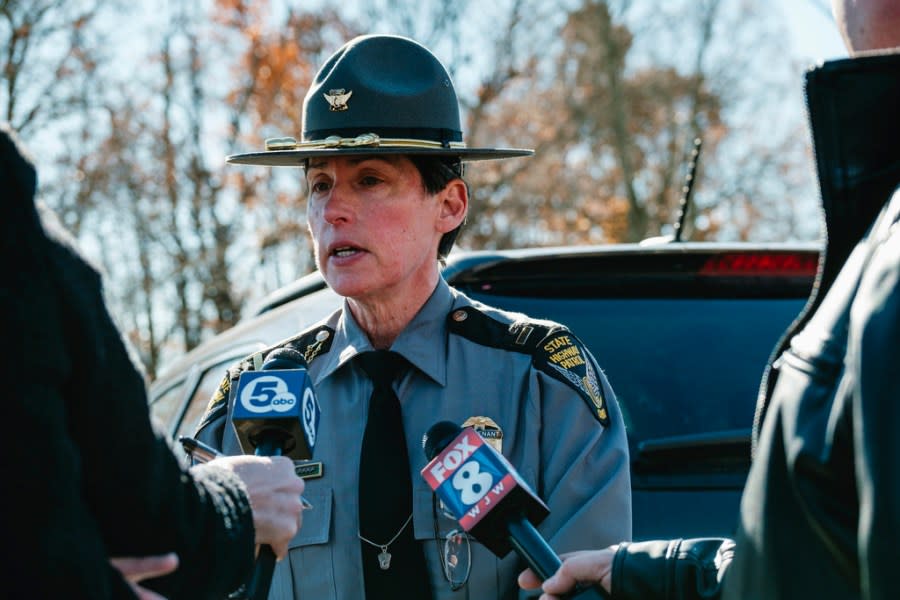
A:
[470,478]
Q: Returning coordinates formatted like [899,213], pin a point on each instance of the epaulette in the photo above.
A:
[520,336]
[310,344]
[554,350]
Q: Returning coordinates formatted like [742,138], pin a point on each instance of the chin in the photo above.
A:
[347,286]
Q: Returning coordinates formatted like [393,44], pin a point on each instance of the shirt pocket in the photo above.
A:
[431,528]
[429,521]
[308,571]
[424,523]
[316,521]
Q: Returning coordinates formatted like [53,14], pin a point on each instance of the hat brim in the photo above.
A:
[297,158]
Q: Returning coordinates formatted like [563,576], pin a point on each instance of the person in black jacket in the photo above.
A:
[85,475]
[820,513]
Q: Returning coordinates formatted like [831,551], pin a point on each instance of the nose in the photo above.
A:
[338,206]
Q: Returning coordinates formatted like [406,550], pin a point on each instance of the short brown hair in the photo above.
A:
[436,173]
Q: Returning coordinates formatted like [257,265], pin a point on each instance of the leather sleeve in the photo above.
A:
[873,360]
[671,569]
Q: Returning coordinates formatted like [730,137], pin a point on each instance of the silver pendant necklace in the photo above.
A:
[384,557]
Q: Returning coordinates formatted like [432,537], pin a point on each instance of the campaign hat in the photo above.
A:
[378,94]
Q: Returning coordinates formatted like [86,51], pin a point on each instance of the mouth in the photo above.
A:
[344,251]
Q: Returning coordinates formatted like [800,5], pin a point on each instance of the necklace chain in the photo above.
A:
[384,547]
[384,557]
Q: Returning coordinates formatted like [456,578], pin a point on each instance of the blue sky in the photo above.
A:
[813,32]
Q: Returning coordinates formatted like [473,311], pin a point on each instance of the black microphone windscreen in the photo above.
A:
[438,436]
[284,358]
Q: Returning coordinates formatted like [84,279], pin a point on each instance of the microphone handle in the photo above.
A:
[261,579]
[532,547]
[592,592]
[540,557]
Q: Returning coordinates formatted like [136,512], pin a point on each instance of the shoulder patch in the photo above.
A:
[564,356]
[520,336]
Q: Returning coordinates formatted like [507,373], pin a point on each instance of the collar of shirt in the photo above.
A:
[422,342]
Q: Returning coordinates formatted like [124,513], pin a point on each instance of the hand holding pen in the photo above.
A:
[202,453]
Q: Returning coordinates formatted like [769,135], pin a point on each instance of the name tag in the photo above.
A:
[309,470]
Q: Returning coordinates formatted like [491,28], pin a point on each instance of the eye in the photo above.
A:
[369,181]
[318,187]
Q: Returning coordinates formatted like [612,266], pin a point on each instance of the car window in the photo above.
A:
[202,385]
[678,366]
[165,406]
[205,389]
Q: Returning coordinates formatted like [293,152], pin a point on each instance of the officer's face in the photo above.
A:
[374,227]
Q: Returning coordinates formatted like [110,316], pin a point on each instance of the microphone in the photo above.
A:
[275,413]
[489,499]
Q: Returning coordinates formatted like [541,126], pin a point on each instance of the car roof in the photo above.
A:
[477,263]
[599,269]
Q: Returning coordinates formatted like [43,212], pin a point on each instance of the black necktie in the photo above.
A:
[385,491]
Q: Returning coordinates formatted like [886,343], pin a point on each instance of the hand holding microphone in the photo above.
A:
[274,490]
[594,566]
[201,453]
[489,499]
[275,413]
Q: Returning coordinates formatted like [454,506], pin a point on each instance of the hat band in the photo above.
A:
[440,135]
[363,140]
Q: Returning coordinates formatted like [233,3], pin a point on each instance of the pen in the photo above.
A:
[202,453]
[198,450]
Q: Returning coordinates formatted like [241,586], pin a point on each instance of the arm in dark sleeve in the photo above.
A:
[671,569]
[223,514]
[142,499]
[873,341]
[55,548]
[87,477]
[92,477]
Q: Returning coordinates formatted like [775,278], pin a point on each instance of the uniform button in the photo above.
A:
[460,315]
[322,336]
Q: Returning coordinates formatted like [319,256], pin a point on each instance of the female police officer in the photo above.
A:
[382,150]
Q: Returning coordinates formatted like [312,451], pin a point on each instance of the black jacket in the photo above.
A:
[820,514]
[85,476]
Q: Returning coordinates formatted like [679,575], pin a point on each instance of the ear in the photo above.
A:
[454,203]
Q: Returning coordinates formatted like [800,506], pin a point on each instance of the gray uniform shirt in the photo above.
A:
[551,433]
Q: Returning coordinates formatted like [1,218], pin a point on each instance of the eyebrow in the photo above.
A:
[388,158]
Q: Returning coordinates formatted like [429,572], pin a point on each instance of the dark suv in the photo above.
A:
[682,331]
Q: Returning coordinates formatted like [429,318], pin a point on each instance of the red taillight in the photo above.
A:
[788,264]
